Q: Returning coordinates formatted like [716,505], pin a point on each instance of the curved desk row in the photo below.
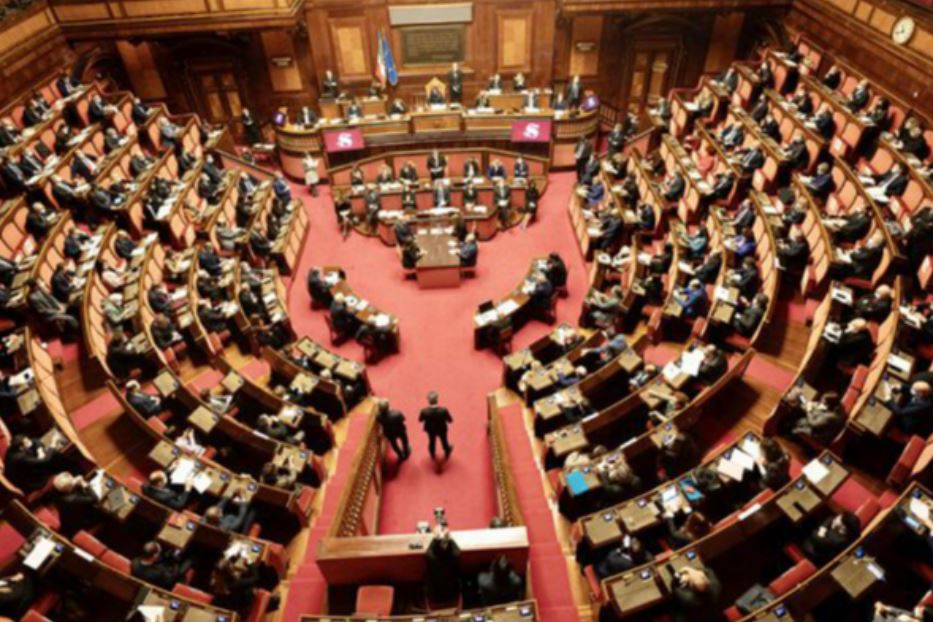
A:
[434,128]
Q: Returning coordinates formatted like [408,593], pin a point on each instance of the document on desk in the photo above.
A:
[97,484]
[690,362]
[507,306]
[815,471]
[751,446]
[487,317]
[920,509]
[39,553]
[151,613]
[381,320]
[730,468]
[184,468]
[671,371]
[202,481]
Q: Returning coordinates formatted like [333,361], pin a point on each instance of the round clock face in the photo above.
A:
[903,30]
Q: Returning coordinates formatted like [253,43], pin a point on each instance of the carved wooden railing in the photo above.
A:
[366,475]
[506,495]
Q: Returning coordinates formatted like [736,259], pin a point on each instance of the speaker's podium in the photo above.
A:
[433,118]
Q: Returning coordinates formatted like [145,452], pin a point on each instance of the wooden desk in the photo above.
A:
[567,440]
[639,515]
[177,531]
[798,502]
[439,267]
[400,558]
[856,575]
[602,529]
[874,417]
[435,121]
[635,592]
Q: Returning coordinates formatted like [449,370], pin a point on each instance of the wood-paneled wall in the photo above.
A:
[31,48]
[502,37]
[859,31]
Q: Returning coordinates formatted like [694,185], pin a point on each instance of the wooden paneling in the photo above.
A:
[350,41]
[142,70]
[587,29]
[514,35]
[859,33]
[723,43]
[278,44]
[31,49]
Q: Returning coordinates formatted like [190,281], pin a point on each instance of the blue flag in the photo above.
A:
[387,70]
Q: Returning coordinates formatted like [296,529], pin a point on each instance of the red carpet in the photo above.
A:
[437,348]
[437,354]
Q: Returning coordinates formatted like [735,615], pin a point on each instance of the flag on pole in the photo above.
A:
[385,63]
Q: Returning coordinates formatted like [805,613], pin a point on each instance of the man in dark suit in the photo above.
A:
[615,140]
[752,158]
[859,97]
[831,537]
[455,83]
[581,153]
[722,186]
[159,489]
[796,153]
[574,92]
[912,412]
[892,183]
[746,322]
[329,87]
[854,226]
[469,251]
[820,184]
[50,310]
[342,318]
[160,569]
[392,423]
[75,501]
[437,165]
[232,514]
[436,420]
[28,463]
[66,85]
[147,405]
[823,121]
[9,134]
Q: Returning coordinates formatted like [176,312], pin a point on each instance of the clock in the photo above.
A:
[903,30]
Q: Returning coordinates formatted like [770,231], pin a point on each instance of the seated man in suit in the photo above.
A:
[342,319]
[722,186]
[9,133]
[713,366]
[892,183]
[540,290]
[831,537]
[793,252]
[122,357]
[76,503]
[232,514]
[746,321]
[696,594]
[862,260]
[820,419]
[174,496]
[29,464]
[469,251]
[692,299]
[832,78]
[496,170]
[796,153]
[162,569]
[745,277]
[875,305]
[860,96]
[820,184]
[751,158]
[164,332]
[435,97]
[673,187]
[913,409]
[852,226]
[823,121]
[743,245]
[147,405]
[770,128]
[50,310]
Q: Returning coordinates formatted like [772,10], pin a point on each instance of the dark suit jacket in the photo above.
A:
[435,419]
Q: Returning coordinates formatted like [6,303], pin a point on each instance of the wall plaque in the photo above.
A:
[433,45]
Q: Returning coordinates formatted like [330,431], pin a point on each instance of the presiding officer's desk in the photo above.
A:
[522,611]
[427,128]
[400,558]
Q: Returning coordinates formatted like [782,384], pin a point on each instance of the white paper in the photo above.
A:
[730,469]
[815,471]
[39,553]
[201,482]
[920,509]
[151,614]
[183,469]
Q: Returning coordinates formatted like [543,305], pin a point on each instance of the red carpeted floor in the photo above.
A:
[437,354]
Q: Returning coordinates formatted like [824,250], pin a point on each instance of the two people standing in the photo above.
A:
[435,420]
